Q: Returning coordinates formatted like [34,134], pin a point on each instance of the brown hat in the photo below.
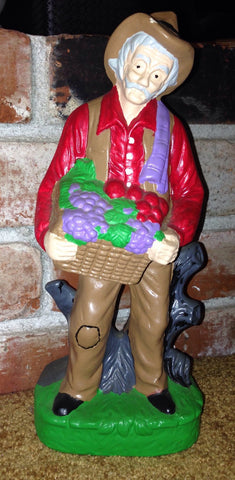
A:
[159,26]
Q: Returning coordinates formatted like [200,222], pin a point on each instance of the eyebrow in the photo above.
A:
[164,68]
[147,59]
[144,57]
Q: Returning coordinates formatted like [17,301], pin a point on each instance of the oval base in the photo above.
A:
[123,425]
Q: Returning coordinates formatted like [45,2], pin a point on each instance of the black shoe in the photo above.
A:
[64,404]
[163,402]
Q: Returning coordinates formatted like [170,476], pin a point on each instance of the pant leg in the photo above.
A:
[148,321]
[89,328]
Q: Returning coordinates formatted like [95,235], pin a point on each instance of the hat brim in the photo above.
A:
[168,38]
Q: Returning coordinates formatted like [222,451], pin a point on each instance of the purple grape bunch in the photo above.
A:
[80,226]
[142,237]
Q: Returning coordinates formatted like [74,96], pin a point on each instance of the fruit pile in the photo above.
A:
[129,218]
[149,205]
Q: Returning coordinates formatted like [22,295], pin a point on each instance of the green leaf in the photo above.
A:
[121,203]
[159,235]
[83,170]
[114,217]
[117,215]
[119,235]
[94,186]
[73,240]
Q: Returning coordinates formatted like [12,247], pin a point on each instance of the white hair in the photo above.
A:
[145,40]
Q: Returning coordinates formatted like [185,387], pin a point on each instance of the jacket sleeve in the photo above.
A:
[186,189]
[72,145]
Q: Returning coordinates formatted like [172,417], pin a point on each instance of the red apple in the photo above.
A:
[115,188]
[157,214]
[152,218]
[143,207]
[134,193]
[163,206]
[151,198]
[141,217]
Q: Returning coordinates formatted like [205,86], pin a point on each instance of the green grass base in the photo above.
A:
[125,425]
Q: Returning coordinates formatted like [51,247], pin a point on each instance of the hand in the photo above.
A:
[166,251]
[59,249]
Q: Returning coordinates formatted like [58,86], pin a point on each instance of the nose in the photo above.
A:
[144,79]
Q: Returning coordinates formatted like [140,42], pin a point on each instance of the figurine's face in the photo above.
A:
[145,72]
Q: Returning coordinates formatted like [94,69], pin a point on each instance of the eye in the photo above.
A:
[137,66]
[156,75]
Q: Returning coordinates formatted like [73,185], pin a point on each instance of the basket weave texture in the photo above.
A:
[98,259]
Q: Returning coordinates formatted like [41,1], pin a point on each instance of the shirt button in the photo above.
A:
[129,156]
[129,171]
[131,140]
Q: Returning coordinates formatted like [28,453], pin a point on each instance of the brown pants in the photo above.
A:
[90,325]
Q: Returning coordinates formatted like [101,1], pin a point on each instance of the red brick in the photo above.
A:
[217,161]
[214,337]
[22,168]
[217,279]
[20,280]
[34,352]
[15,77]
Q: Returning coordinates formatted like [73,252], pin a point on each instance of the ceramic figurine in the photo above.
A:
[123,180]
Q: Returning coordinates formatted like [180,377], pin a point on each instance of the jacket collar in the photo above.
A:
[111,113]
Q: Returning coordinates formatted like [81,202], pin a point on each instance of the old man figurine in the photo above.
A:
[130,136]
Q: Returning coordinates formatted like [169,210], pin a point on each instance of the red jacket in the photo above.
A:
[186,190]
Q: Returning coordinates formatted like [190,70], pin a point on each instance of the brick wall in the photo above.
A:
[42,80]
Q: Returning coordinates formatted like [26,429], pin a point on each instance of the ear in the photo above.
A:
[113,64]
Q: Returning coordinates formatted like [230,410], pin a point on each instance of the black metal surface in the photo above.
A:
[184,312]
[63,294]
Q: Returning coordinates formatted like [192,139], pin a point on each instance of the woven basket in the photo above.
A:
[99,259]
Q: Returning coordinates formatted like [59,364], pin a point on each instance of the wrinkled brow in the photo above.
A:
[148,60]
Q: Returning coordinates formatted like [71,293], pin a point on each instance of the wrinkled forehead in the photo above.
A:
[151,56]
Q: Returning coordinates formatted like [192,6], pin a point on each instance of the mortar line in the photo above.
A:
[49,129]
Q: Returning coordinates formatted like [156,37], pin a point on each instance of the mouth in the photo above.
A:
[138,88]
[136,96]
